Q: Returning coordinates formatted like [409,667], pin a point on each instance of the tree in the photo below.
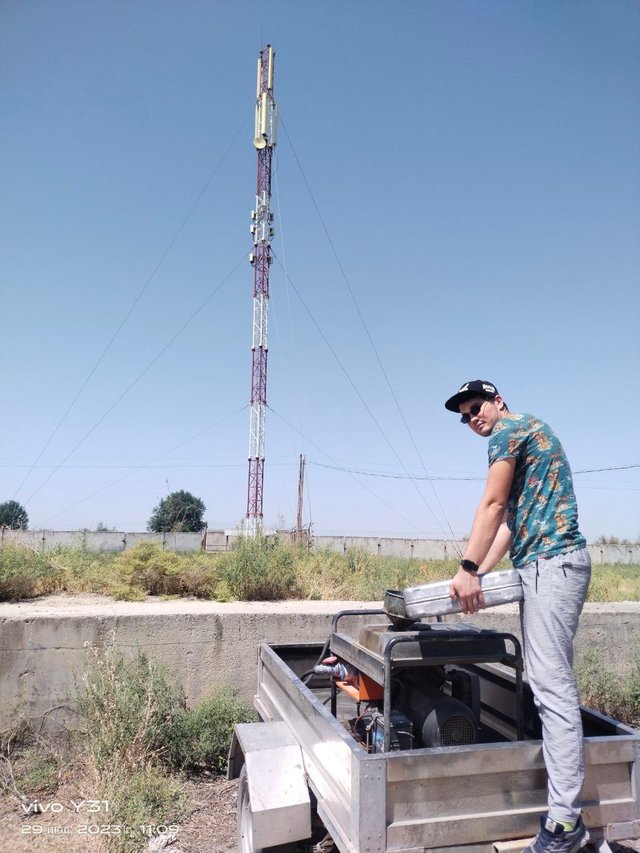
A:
[13,515]
[179,512]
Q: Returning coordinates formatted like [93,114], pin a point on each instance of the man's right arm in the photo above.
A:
[498,550]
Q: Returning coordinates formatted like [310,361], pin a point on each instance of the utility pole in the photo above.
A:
[300,494]
[262,230]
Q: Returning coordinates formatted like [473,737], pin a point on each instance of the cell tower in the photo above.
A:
[260,258]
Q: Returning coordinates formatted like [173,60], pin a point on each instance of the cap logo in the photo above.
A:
[465,387]
[488,388]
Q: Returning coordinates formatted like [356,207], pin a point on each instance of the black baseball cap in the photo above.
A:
[475,388]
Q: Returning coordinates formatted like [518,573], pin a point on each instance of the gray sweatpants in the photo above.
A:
[554,591]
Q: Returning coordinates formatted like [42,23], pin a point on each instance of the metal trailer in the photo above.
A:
[308,784]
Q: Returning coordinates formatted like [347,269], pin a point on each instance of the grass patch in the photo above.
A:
[260,569]
[615,583]
[39,774]
[25,573]
[604,690]
[361,576]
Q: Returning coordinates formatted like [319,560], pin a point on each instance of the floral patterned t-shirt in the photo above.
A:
[542,513]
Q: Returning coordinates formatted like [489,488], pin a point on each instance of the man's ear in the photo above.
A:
[500,403]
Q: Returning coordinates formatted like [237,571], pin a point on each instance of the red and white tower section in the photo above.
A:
[260,258]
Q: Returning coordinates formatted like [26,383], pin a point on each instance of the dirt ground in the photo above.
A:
[209,825]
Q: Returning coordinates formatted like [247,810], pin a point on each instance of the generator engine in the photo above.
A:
[411,684]
[440,719]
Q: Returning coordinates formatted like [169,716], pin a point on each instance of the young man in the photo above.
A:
[529,508]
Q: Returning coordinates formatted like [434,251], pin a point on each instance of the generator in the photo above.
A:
[414,683]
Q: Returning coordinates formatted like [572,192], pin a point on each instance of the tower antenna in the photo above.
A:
[262,231]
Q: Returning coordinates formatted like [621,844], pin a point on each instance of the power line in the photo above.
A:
[137,465]
[611,468]
[377,356]
[147,465]
[360,397]
[139,376]
[131,309]
[390,476]
[366,488]
[434,477]
[292,342]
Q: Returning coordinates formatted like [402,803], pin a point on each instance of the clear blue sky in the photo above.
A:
[476,166]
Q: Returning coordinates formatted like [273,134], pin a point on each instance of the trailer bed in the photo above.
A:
[466,798]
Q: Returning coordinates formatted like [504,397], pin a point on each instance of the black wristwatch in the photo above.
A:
[469,566]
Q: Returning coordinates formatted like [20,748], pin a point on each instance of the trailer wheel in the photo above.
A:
[245,825]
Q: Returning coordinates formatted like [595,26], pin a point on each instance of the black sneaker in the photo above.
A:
[554,838]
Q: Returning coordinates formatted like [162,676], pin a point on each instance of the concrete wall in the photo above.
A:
[421,549]
[440,549]
[221,540]
[107,540]
[206,645]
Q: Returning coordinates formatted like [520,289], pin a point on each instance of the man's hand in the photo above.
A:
[468,590]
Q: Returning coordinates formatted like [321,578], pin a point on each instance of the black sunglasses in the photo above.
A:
[473,412]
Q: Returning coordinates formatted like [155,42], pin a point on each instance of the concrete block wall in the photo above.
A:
[441,549]
[221,540]
[103,540]
[420,549]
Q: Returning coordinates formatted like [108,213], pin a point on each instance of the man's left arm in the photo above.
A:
[487,520]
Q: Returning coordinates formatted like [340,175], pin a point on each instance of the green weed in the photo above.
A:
[126,707]
[149,567]
[259,569]
[25,573]
[614,583]
[139,802]
[200,738]
[602,689]
[39,774]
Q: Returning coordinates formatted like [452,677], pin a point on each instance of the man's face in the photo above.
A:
[487,413]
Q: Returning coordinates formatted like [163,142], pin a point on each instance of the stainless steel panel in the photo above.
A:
[368,821]
[469,829]
[464,761]
[326,746]
[278,794]
[433,599]
[363,659]
[467,795]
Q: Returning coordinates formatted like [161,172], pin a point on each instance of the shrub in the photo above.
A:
[147,566]
[126,706]
[200,575]
[82,570]
[259,569]
[200,738]
[25,573]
